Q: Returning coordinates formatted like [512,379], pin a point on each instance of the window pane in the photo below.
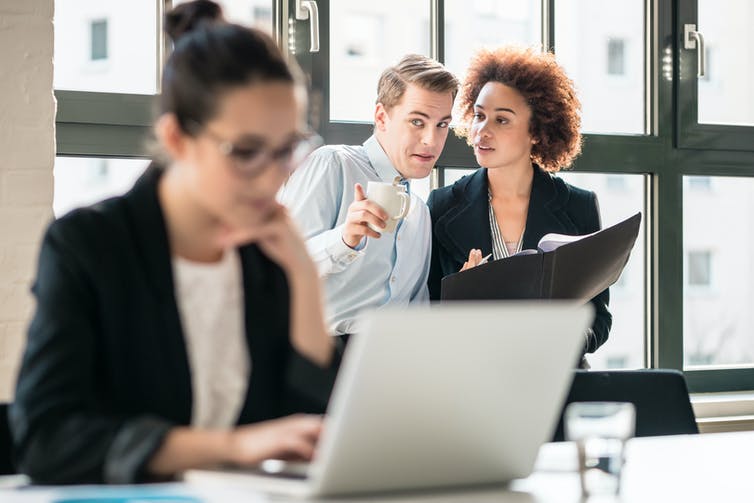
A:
[473,24]
[106,46]
[616,56]
[452,175]
[366,38]
[80,181]
[718,271]
[725,95]
[99,40]
[605,59]
[618,201]
[699,267]
[256,13]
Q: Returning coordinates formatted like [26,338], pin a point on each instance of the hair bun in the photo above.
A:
[188,16]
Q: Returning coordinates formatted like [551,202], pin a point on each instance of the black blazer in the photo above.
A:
[105,373]
[460,222]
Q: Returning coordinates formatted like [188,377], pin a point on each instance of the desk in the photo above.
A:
[715,467]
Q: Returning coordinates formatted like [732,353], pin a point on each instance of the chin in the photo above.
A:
[418,172]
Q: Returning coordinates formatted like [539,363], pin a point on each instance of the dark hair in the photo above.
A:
[555,109]
[415,69]
[211,56]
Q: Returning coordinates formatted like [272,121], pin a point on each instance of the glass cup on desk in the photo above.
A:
[600,431]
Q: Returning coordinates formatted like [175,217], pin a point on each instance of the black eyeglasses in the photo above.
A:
[250,161]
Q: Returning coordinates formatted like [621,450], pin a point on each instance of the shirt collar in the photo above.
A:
[380,161]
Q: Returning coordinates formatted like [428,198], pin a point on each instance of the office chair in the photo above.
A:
[6,443]
[660,396]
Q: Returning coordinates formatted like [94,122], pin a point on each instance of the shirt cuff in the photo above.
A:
[132,449]
[341,253]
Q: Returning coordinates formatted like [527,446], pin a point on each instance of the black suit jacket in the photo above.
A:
[105,373]
[460,222]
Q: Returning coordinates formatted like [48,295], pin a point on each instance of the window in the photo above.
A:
[626,342]
[261,16]
[366,38]
[629,122]
[719,271]
[473,25]
[585,30]
[99,40]
[616,57]
[700,183]
[617,362]
[256,13]
[699,268]
[727,98]
[615,183]
[106,46]
[80,181]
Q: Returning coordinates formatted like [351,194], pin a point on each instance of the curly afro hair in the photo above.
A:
[555,109]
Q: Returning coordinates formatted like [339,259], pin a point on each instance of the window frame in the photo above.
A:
[102,124]
[93,124]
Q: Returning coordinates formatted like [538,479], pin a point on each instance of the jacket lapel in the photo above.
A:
[466,225]
[546,210]
[152,248]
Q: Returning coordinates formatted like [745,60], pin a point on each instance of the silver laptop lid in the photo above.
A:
[452,394]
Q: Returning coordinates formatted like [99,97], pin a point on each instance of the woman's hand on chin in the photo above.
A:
[277,236]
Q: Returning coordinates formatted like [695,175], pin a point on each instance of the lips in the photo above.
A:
[483,149]
[424,157]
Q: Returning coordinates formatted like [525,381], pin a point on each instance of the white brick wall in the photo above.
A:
[27,153]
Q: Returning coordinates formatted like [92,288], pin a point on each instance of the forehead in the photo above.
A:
[269,107]
[496,94]
[432,103]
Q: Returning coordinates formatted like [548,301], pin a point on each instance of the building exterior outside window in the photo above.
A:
[99,40]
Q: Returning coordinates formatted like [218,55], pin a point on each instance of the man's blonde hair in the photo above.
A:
[416,69]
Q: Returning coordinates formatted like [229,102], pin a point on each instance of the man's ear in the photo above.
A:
[171,136]
[380,117]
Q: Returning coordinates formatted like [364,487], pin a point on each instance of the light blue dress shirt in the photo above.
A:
[392,269]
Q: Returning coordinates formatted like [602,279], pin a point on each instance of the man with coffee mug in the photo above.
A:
[369,235]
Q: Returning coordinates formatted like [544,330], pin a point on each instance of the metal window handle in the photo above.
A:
[307,9]
[690,38]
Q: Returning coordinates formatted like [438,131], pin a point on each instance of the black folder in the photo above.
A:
[578,270]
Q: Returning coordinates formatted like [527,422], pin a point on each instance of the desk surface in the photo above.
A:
[711,467]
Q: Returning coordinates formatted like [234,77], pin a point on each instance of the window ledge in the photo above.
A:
[723,405]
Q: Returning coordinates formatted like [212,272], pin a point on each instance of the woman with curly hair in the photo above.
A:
[519,112]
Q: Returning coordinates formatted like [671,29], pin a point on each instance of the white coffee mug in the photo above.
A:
[392,197]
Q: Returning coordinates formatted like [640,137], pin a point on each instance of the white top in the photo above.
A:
[500,247]
[210,304]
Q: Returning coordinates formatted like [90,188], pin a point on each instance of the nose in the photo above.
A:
[431,136]
[272,176]
[480,131]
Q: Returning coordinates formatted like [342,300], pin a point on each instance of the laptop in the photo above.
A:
[439,396]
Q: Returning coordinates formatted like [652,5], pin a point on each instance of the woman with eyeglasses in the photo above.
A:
[181,325]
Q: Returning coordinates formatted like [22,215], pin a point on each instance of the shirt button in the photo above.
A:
[392,279]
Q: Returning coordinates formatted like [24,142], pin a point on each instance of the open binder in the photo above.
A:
[577,270]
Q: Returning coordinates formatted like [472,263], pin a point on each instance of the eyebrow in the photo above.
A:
[249,138]
[498,109]
[260,140]
[416,112]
